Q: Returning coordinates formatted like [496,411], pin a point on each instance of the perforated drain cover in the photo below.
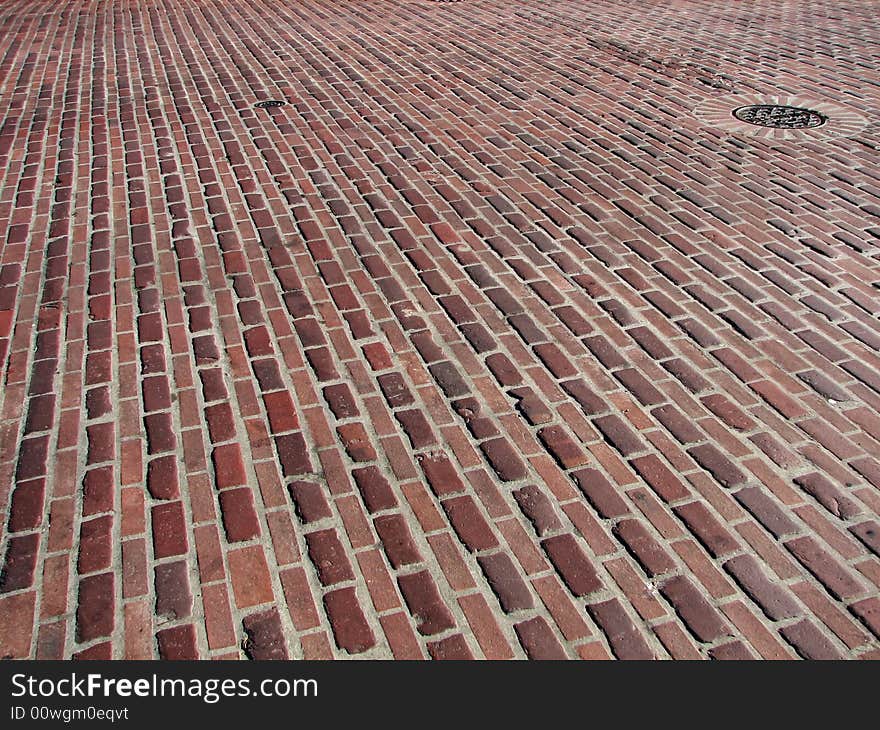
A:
[780,117]
[269,104]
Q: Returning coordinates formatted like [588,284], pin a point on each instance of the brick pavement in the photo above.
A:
[491,342]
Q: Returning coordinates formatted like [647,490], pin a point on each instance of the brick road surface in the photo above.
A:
[502,338]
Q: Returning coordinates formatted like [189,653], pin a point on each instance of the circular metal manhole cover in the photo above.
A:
[269,104]
[780,117]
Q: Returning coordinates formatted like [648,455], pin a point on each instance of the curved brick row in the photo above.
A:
[484,344]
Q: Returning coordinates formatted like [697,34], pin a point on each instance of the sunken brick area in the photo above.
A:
[491,341]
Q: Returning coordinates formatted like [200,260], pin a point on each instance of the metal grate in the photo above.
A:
[780,117]
[269,104]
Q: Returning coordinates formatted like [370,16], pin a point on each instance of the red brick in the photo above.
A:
[20,563]
[601,494]
[766,511]
[17,627]
[95,607]
[162,478]
[417,428]
[356,442]
[563,448]
[450,648]
[828,495]
[397,540]
[538,508]
[442,476]
[774,600]
[809,642]
[251,583]
[26,510]
[504,459]
[265,636]
[221,425]
[838,580]
[95,544]
[350,629]
[538,640]
[625,639]
[868,611]
[239,516]
[309,500]
[469,523]
[293,454]
[173,596]
[506,582]
[281,411]
[699,616]
[424,603]
[102,443]
[639,541]
[708,530]
[719,466]
[228,466]
[329,557]
[169,530]
[374,488]
[178,643]
[572,564]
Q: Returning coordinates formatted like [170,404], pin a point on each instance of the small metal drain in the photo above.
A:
[269,104]
[780,117]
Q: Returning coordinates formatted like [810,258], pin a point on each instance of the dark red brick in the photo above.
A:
[102,442]
[809,642]
[699,616]
[625,640]
[20,562]
[774,600]
[601,494]
[173,596]
[567,452]
[95,608]
[766,511]
[160,433]
[309,500]
[397,540]
[506,581]
[538,508]
[469,523]
[538,640]
[644,548]
[442,476]
[572,564]
[26,510]
[265,636]
[293,454]
[504,459]
[424,603]
[708,530]
[329,557]
[341,401]
[350,629]
[95,544]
